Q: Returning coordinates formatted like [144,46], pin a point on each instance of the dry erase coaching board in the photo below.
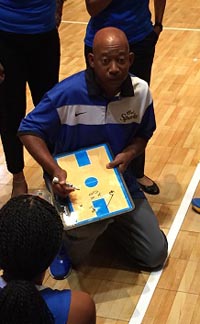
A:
[102,193]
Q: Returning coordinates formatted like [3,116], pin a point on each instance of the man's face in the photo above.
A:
[111,64]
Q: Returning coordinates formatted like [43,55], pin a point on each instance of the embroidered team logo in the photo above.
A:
[127,116]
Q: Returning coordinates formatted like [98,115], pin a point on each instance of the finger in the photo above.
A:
[112,165]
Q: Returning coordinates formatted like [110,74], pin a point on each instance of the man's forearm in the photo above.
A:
[96,6]
[123,159]
[39,151]
[136,148]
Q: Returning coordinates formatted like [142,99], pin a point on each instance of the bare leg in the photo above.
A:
[19,184]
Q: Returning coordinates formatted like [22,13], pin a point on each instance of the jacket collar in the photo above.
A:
[95,90]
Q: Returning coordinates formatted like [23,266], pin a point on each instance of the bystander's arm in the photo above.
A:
[96,6]
[59,11]
[2,73]
[159,9]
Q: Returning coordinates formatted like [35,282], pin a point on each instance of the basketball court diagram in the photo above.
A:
[102,192]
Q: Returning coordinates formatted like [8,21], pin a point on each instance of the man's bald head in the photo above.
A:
[110,59]
[110,36]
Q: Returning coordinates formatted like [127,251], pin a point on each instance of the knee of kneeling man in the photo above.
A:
[157,257]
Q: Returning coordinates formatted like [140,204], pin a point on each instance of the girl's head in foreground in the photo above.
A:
[30,237]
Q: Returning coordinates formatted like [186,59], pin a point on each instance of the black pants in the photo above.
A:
[27,59]
[144,53]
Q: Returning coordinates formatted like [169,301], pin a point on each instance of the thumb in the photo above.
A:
[112,164]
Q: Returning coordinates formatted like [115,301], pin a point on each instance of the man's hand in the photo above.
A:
[121,161]
[60,186]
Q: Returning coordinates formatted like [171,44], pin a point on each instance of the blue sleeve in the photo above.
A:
[43,121]
[58,302]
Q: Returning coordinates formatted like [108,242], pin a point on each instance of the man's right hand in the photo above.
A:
[60,186]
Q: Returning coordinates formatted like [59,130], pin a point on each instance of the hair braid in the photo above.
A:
[20,302]
[30,236]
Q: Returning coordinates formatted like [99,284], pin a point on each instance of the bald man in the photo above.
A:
[92,107]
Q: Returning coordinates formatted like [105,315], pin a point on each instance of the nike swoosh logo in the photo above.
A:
[77,114]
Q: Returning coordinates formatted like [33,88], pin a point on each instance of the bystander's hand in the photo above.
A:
[158,29]
[2,73]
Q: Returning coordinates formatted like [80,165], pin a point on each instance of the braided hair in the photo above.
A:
[21,303]
[30,236]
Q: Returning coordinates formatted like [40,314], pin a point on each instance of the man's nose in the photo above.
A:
[113,67]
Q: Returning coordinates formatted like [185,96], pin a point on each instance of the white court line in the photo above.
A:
[154,277]
[74,22]
[182,28]
[164,28]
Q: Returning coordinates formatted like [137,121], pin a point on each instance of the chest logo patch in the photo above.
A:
[127,116]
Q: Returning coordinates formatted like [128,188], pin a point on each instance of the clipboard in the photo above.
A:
[103,192]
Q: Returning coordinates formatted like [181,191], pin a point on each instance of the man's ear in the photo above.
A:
[91,59]
[131,58]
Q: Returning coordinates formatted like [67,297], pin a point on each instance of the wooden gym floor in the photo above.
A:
[171,160]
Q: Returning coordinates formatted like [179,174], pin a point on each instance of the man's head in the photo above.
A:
[30,237]
[110,59]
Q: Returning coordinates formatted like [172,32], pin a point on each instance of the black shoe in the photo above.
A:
[151,190]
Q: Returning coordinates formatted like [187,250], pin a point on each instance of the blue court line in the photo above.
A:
[82,158]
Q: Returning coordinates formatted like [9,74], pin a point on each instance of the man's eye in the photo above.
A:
[121,60]
[105,61]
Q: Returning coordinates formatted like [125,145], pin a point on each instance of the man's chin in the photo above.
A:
[114,80]
[112,89]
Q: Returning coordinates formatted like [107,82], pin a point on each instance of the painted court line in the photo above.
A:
[74,22]
[154,277]
[166,28]
[182,29]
